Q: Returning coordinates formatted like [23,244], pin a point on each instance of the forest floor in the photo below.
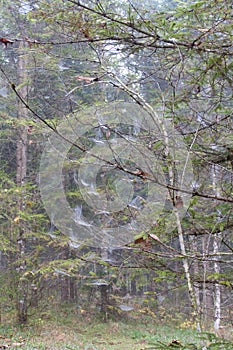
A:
[82,332]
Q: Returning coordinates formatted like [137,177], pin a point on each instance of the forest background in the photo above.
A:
[117,161]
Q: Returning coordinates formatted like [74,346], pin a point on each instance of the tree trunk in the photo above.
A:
[196,314]
[104,300]
[21,164]
[67,283]
[64,285]
[217,289]
[196,274]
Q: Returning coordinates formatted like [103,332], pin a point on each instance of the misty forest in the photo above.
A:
[116,174]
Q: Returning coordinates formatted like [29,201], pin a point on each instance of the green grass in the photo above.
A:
[65,331]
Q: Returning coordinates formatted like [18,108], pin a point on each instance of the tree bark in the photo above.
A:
[217,289]
[196,273]
[21,172]
[196,314]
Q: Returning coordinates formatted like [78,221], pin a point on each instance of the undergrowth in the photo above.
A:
[66,329]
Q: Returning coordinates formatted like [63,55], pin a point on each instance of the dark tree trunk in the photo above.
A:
[104,300]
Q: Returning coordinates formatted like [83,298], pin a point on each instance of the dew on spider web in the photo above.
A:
[78,217]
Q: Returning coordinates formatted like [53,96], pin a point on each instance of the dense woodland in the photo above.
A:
[117,159]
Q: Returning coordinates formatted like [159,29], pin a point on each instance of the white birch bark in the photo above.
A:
[217,289]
